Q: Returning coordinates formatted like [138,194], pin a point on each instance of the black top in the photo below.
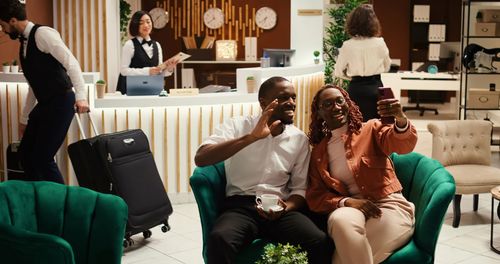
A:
[46,75]
[139,60]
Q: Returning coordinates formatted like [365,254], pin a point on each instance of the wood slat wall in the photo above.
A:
[90,30]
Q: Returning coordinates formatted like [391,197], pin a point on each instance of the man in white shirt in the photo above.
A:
[263,154]
[51,71]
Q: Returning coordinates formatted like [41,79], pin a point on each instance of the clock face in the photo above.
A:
[213,18]
[266,18]
[159,16]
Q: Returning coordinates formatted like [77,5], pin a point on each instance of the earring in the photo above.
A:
[324,128]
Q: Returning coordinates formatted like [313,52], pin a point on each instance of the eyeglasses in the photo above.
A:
[328,104]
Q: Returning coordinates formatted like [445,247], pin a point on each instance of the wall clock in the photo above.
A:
[159,16]
[213,18]
[266,18]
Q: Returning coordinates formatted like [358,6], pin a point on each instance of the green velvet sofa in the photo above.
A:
[45,222]
[426,183]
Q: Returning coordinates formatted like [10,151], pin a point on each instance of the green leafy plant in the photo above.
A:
[250,78]
[6,63]
[14,62]
[125,12]
[282,254]
[335,36]
[316,53]
[100,82]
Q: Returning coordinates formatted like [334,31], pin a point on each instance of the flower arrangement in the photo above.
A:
[282,254]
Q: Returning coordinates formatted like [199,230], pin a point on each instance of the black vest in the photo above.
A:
[139,60]
[46,76]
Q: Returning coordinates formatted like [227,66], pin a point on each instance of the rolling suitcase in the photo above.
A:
[121,163]
[14,168]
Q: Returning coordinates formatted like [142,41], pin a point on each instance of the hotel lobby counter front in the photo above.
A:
[175,126]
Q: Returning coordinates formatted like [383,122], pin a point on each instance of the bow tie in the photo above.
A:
[149,42]
[22,38]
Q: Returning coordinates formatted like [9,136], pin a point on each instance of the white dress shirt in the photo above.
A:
[270,165]
[362,57]
[48,40]
[128,53]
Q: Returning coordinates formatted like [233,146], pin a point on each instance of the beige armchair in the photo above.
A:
[463,147]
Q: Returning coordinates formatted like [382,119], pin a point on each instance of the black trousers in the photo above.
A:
[364,92]
[47,127]
[240,224]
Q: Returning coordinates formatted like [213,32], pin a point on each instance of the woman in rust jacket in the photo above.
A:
[352,179]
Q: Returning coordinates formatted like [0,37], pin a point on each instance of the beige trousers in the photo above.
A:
[361,241]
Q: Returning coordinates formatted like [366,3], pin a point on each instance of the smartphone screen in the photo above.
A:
[386,93]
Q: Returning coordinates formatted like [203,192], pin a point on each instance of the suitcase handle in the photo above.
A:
[92,124]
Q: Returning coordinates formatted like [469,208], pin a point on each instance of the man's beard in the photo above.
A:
[13,35]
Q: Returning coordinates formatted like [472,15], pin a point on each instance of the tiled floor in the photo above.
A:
[467,244]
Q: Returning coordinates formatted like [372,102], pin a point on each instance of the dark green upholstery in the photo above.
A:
[426,183]
[431,188]
[45,222]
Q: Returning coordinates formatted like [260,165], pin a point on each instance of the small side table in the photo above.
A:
[495,195]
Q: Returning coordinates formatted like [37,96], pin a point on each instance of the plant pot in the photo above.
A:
[100,90]
[14,68]
[316,61]
[251,86]
[6,69]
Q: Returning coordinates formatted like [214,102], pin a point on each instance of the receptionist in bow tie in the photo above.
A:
[141,55]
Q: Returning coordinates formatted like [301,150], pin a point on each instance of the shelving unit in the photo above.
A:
[471,78]
[425,14]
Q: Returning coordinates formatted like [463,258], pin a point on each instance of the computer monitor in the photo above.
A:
[279,57]
[145,84]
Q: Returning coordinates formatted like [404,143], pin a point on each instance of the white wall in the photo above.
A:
[306,32]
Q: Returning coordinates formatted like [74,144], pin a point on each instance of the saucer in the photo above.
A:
[275,208]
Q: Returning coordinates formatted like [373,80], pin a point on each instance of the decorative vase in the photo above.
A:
[6,69]
[14,68]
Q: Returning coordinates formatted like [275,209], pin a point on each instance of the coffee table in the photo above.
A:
[495,195]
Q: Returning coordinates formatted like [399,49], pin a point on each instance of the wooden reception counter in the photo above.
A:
[175,126]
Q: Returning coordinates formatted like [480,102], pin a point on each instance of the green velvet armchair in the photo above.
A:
[426,183]
[45,222]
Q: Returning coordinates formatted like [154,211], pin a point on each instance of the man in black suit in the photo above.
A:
[51,71]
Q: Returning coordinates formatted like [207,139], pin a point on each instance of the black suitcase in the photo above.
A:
[121,163]
[14,168]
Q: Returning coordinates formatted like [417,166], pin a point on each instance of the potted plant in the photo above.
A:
[14,68]
[335,35]
[6,67]
[100,87]
[316,56]
[251,84]
[282,254]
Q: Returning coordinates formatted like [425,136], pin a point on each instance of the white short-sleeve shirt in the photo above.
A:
[270,165]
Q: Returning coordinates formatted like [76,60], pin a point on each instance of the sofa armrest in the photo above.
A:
[208,184]
[21,246]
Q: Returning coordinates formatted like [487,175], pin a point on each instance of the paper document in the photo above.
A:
[181,56]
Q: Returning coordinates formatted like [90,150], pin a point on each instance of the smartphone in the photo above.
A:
[386,93]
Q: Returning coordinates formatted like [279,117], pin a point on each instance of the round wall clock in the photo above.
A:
[159,16]
[213,18]
[266,18]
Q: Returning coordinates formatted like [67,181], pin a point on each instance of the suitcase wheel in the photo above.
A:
[165,228]
[147,234]
[127,242]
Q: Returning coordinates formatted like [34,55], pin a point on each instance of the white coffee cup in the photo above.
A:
[267,201]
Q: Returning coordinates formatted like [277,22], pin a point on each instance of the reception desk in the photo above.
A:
[175,126]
